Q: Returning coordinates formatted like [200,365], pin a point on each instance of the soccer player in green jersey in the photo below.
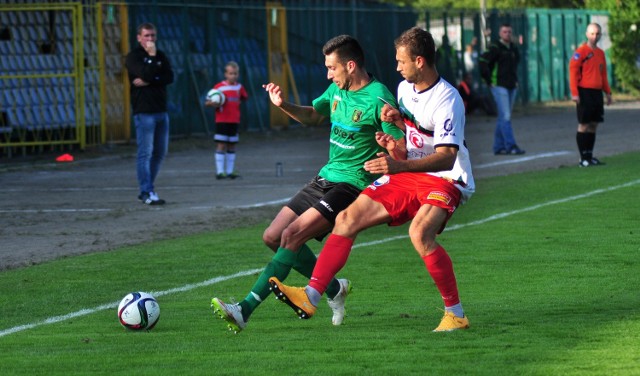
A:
[352,103]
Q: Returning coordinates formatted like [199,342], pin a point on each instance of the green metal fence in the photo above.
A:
[201,36]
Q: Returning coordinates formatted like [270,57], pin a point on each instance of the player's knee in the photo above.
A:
[345,224]
[422,241]
[271,239]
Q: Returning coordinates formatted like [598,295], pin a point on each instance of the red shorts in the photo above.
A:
[403,194]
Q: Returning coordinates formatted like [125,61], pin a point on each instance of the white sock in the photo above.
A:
[313,295]
[456,310]
[219,163]
[231,159]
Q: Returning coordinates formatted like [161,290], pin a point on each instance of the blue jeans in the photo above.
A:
[152,137]
[503,138]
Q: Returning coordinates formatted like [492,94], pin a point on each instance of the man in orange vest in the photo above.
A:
[587,81]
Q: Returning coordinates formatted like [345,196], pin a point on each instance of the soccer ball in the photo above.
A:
[138,311]
[216,96]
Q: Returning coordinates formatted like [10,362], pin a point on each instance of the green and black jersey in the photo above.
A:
[355,119]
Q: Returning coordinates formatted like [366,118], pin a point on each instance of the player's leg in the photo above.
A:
[428,222]
[439,199]
[221,137]
[237,315]
[590,111]
[362,214]
[231,152]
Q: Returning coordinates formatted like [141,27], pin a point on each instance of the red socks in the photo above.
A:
[440,268]
[332,258]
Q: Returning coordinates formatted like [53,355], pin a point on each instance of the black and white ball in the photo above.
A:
[139,311]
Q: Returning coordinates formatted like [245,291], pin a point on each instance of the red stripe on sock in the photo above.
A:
[440,268]
[331,260]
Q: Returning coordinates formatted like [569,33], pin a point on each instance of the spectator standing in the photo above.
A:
[498,68]
[228,121]
[587,80]
[149,74]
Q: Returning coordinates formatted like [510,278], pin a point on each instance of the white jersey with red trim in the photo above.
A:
[435,117]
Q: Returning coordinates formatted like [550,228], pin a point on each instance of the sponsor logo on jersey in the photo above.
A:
[334,106]
[448,128]
[343,134]
[384,179]
[439,196]
[416,140]
[357,115]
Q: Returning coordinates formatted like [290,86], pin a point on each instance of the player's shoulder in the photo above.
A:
[377,87]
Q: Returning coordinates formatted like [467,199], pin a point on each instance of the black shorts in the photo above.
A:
[227,132]
[327,197]
[591,106]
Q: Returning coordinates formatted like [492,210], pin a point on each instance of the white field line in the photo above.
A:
[87,311]
[522,159]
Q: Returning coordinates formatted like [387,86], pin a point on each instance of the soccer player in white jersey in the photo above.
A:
[425,189]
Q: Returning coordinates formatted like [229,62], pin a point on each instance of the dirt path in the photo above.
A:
[51,210]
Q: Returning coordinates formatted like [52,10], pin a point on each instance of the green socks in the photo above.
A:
[279,267]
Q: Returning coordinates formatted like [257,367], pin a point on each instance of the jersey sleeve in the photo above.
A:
[388,128]
[322,104]
[605,78]
[243,93]
[449,122]
[574,71]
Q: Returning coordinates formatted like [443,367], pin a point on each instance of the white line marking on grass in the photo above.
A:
[88,311]
[54,210]
[523,159]
[83,312]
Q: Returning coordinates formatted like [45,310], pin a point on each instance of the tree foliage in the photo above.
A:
[624,31]
[490,4]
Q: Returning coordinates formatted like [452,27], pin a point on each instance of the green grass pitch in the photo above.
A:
[547,266]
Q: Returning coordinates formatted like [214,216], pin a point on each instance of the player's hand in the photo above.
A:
[209,103]
[275,93]
[575,98]
[389,114]
[382,165]
[609,99]
[386,141]
[139,82]
[150,47]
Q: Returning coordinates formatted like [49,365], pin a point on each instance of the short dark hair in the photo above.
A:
[145,26]
[418,42]
[347,48]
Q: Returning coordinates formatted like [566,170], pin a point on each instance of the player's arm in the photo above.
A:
[306,115]
[605,82]
[392,115]
[575,65]
[442,160]
[396,148]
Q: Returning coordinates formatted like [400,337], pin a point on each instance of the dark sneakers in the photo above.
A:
[150,198]
[590,162]
[513,151]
